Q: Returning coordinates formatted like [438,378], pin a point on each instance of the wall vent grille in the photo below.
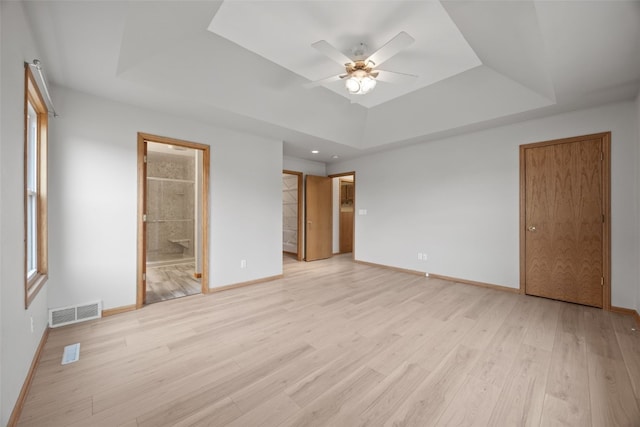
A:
[74,314]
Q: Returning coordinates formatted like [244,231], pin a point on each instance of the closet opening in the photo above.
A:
[292,228]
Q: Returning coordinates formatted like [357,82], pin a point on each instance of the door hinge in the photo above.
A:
[602,217]
[144,277]
[601,155]
[144,217]
[602,281]
[144,158]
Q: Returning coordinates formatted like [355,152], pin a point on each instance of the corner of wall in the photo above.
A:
[638,191]
[19,340]
[1,145]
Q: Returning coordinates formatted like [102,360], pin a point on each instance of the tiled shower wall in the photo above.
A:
[170,205]
[290,213]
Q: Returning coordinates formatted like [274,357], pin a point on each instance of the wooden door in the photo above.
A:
[319,223]
[564,219]
[346,216]
[346,231]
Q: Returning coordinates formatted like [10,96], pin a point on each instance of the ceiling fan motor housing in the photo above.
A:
[359,65]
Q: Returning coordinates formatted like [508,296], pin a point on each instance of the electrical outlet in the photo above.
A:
[419,256]
[243,263]
[424,257]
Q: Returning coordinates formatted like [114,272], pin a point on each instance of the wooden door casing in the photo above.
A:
[346,232]
[319,218]
[143,138]
[564,219]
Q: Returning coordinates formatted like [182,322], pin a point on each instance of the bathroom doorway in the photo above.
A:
[173,207]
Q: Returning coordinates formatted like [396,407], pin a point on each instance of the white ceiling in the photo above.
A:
[243,64]
[276,31]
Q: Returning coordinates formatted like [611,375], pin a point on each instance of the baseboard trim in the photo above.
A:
[474,283]
[389,267]
[627,311]
[439,276]
[24,391]
[243,284]
[117,310]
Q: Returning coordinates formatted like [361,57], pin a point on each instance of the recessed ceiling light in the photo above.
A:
[314,151]
[335,156]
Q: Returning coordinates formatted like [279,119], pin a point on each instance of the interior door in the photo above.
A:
[564,221]
[142,223]
[346,216]
[319,220]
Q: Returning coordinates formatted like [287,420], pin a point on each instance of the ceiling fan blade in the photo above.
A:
[324,47]
[392,47]
[394,77]
[323,81]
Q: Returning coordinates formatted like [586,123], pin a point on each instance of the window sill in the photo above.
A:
[33,287]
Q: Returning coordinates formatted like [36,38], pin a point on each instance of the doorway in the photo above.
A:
[292,214]
[323,207]
[173,178]
[343,214]
[565,219]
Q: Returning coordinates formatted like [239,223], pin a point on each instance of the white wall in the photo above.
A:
[93,199]
[307,167]
[18,343]
[637,176]
[1,215]
[456,199]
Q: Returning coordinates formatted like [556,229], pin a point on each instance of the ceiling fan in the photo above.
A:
[362,72]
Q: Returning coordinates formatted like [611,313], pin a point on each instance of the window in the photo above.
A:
[35,188]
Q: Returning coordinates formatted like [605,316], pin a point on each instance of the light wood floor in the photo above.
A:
[341,344]
[169,282]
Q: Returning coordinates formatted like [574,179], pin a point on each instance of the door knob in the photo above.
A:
[531,228]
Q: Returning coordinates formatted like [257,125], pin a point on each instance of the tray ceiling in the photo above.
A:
[242,64]
[283,31]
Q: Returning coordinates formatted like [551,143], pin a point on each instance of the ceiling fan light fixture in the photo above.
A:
[361,74]
[368,83]
[360,82]
[352,84]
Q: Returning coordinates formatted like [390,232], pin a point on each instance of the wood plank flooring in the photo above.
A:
[336,343]
[172,281]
